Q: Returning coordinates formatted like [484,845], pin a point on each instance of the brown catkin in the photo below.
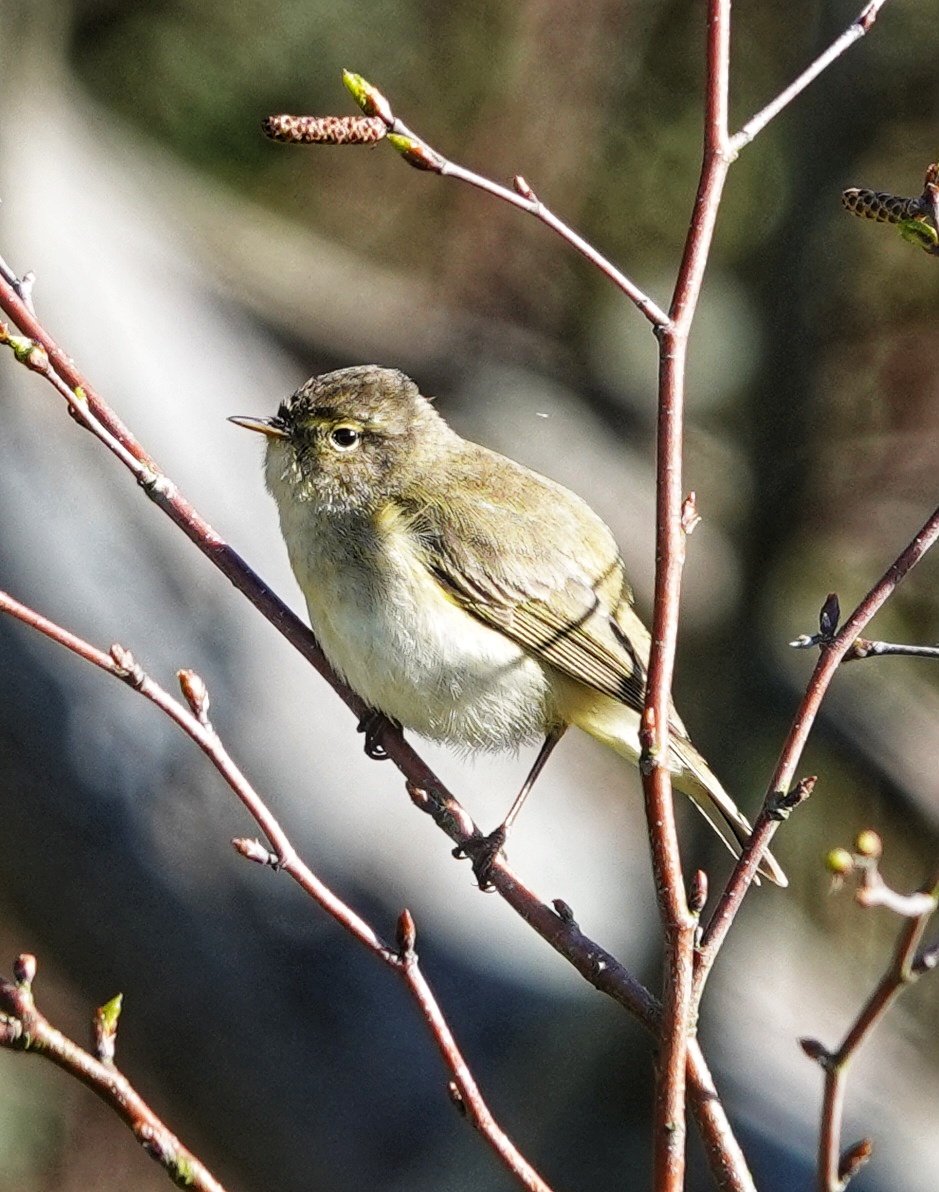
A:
[324,130]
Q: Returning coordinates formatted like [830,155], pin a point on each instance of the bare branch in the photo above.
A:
[836,1169]
[24,1028]
[863,648]
[862,23]
[416,152]
[832,655]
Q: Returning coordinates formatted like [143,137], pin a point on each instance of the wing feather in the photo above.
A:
[560,592]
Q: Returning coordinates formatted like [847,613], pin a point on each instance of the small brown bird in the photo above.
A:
[459,593]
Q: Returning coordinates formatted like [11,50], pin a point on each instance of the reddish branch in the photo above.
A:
[24,1028]
[855,31]
[416,152]
[831,656]
[907,965]
[679,923]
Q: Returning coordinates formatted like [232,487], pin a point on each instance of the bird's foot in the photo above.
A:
[483,851]
[373,724]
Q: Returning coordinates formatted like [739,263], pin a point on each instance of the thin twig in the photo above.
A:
[862,23]
[829,660]
[194,721]
[24,1028]
[863,648]
[418,153]
[22,285]
[834,1168]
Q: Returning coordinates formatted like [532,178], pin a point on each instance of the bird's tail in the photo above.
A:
[698,782]
[617,725]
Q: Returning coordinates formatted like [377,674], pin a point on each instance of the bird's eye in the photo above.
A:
[345,438]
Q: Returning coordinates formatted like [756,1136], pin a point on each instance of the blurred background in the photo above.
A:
[196,270]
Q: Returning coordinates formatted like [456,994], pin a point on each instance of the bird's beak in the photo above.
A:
[272,427]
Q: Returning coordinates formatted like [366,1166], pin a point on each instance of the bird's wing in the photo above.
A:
[532,560]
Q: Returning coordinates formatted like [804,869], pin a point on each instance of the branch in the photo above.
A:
[194,721]
[24,1028]
[863,648]
[416,152]
[862,23]
[907,965]
[833,652]
[679,923]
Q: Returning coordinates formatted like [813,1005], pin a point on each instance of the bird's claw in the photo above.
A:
[482,852]
[373,725]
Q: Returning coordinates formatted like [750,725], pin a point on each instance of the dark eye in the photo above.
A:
[344,438]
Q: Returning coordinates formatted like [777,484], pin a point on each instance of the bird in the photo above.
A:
[460,594]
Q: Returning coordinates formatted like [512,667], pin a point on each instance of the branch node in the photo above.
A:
[564,911]
[782,804]
[926,961]
[829,616]
[869,844]
[406,937]
[839,864]
[648,758]
[24,970]
[817,1051]
[456,1098]
[521,187]
[254,850]
[368,97]
[196,694]
[104,1028]
[690,517]
[156,485]
[419,797]
[853,1160]
[127,665]
[698,892]
[416,153]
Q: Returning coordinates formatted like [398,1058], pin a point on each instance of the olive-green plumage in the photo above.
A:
[456,591]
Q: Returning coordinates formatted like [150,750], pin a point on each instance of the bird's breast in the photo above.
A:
[403,644]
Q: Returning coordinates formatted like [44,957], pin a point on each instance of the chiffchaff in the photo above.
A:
[457,592]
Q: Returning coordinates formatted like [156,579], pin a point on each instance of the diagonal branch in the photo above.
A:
[24,1028]
[380,120]
[907,964]
[855,31]
[832,655]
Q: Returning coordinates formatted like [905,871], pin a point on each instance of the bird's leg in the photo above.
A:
[373,724]
[484,852]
